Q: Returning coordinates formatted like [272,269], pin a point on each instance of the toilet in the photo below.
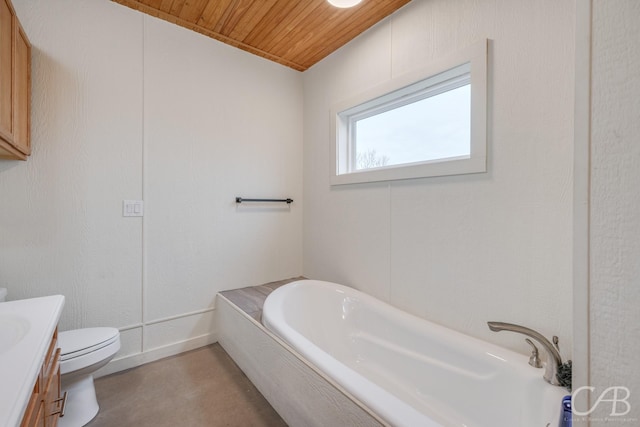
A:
[82,352]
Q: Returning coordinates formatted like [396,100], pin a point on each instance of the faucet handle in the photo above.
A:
[534,360]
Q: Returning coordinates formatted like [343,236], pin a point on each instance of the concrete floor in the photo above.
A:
[202,387]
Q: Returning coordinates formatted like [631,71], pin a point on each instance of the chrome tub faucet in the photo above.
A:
[553,361]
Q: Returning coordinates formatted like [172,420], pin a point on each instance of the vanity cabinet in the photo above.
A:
[46,404]
[15,86]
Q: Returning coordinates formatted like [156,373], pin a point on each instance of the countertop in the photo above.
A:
[26,328]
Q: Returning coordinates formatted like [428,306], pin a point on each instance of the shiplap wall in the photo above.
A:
[458,250]
[615,210]
[126,106]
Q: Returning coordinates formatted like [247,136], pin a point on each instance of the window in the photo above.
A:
[429,123]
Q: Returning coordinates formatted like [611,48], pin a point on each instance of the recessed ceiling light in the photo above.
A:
[344,3]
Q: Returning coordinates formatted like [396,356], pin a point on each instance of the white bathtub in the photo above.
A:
[409,371]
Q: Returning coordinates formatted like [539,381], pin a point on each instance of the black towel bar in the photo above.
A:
[287,201]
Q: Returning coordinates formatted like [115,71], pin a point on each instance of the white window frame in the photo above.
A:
[466,65]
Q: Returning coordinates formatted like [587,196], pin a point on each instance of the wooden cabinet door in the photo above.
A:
[34,411]
[15,86]
[6,70]
[40,418]
[43,409]
[21,90]
[52,393]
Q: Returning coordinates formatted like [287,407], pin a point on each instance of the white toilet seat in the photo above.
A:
[82,348]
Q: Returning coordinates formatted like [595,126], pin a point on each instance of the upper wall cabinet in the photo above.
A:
[15,86]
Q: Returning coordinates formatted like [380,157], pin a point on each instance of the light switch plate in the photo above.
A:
[132,208]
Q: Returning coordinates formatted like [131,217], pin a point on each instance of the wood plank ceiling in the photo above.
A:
[295,33]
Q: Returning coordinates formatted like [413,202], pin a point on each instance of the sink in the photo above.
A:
[13,327]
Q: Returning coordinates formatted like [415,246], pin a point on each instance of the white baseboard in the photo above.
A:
[151,355]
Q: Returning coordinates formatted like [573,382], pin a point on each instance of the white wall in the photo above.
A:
[126,106]
[467,249]
[615,207]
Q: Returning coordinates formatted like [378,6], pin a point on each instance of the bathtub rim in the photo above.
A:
[275,301]
[389,407]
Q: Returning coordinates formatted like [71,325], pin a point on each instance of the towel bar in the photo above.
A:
[287,201]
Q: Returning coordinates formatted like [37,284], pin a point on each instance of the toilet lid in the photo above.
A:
[81,341]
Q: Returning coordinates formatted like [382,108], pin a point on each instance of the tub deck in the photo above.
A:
[251,299]
[298,391]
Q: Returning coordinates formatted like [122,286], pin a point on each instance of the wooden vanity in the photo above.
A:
[30,362]
[46,403]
